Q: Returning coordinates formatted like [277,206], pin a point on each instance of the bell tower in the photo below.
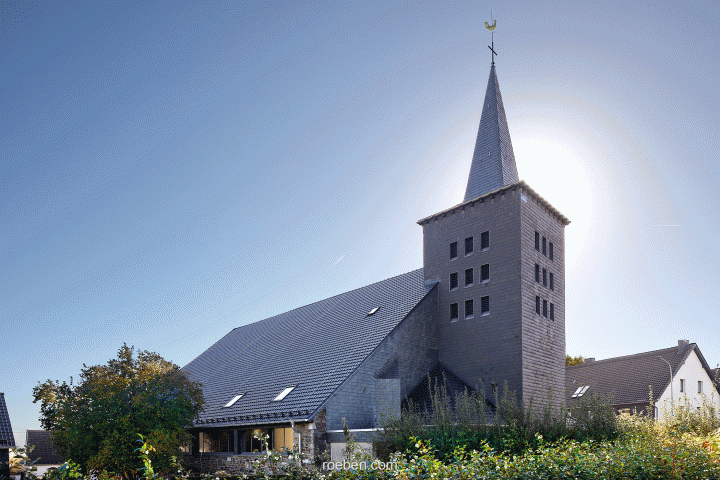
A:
[499,260]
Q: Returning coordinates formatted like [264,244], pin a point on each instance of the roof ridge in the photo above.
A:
[323,300]
[634,355]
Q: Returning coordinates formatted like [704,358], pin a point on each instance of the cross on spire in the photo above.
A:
[492,35]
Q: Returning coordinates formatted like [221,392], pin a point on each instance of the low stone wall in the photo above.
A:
[228,462]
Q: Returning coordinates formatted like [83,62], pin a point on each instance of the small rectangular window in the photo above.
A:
[552,312]
[494,388]
[453,311]
[544,278]
[699,386]
[469,277]
[545,308]
[537,273]
[453,281]
[682,385]
[468,308]
[485,272]
[453,250]
[537,241]
[469,245]
[484,240]
[551,251]
[484,305]
[537,305]
[544,250]
[552,281]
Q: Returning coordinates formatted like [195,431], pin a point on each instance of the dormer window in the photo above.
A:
[283,394]
[233,400]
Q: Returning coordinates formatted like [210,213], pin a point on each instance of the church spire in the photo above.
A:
[493,164]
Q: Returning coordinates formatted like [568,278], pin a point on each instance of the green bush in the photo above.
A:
[466,421]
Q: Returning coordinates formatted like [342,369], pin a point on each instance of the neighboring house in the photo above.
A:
[627,380]
[7,440]
[486,308]
[43,451]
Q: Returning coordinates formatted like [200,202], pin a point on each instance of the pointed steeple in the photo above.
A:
[493,164]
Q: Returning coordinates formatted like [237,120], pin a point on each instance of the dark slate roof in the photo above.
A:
[6,434]
[493,163]
[438,379]
[43,451]
[626,379]
[314,348]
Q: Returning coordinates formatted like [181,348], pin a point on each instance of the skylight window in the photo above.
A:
[283,394]
[234,399]
[580,391]
[373,311]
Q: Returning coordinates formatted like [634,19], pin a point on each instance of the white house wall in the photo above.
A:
[691,371]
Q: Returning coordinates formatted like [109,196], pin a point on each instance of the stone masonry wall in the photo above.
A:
[484,349]
[543,340]
[378,386]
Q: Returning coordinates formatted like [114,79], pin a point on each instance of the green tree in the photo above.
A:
[573,360]
[96,421]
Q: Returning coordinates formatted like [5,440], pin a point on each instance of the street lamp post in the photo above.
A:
[672,400]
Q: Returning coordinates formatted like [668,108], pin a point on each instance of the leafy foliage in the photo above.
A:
[510,428]
[96,421]
[573,360]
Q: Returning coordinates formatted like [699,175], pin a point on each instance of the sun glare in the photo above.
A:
[558,176]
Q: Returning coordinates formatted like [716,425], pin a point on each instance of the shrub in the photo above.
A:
[466,421]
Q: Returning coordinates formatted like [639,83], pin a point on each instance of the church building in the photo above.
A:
[487,308]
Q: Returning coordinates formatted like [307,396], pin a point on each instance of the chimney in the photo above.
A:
[682,345]
[589,360]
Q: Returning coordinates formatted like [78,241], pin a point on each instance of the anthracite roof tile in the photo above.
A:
[627,379]
[6,434]
[315,348]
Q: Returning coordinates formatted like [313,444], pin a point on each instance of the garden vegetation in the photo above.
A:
[95,423]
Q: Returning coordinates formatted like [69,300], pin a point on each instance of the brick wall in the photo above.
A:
[510,344]
[484,349]
[543,340]
[397,366]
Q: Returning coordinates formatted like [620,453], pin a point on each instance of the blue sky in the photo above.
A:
[172,170]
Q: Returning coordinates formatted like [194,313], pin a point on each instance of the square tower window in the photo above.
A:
[469,277]
[453,250]
[545,308]
[537,273]
[537,241]
[469,245]
[468,308]
[552,281]
[544,278]
[552,312]
[551,251]
[544,250]
[453,311]
[453,281]
[537,305]
[485,306]
[484,240]
[485,272]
